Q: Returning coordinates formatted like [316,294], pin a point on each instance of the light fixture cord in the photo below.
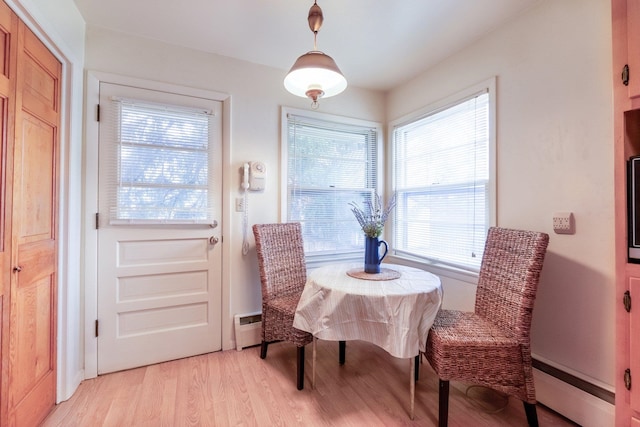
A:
[314,103]
[245,223]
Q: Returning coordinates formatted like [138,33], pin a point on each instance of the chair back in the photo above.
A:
[508,279]
[280,251]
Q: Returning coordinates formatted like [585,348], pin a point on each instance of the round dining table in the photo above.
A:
[393,309]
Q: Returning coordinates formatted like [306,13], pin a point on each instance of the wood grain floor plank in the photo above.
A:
[234,388]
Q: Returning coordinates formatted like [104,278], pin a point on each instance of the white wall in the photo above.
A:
[257,93]
[555,153]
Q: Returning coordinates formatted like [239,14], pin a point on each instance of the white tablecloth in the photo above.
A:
[393,314]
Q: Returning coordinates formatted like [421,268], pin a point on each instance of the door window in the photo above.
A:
[162,169]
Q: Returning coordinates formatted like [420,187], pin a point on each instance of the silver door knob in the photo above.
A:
[17,269]
[213,240]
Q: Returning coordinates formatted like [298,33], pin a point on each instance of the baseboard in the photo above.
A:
[64,390]
[573,403]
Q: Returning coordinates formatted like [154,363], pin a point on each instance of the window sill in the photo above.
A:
[321,260]
[441,270]
[437,269]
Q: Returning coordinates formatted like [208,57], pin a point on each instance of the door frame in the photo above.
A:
[92,87]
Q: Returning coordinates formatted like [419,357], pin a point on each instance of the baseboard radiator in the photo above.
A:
[248,329]
[586,404]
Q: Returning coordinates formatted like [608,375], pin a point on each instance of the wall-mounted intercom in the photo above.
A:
[254,176]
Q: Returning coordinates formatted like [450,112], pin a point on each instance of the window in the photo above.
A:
[444,177]
[331,162]
[162,155]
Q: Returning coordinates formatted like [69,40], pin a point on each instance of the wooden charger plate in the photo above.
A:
[385,274]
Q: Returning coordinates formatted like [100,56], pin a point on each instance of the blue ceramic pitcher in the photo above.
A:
[372,258]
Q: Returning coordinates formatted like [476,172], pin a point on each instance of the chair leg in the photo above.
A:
[443,404]
[313,365]
[532,414]
[300,367]
[342,348]
[412,384]
[263,349]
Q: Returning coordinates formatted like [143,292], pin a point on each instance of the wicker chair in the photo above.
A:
[491,346]
[283,274]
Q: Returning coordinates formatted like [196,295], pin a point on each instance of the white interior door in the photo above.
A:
[159,268]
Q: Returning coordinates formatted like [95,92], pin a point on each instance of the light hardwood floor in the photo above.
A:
[237,388]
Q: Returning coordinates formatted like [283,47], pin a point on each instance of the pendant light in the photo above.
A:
[315,74]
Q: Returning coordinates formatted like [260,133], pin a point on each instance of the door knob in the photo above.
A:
[213,240]
[17,269]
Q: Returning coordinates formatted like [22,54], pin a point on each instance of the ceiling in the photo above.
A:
[377,44]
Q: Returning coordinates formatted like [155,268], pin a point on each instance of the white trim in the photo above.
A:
[318,260]
[489,86]
[228,341]
[437,269]
[284,144]
[93,79]
[92,96]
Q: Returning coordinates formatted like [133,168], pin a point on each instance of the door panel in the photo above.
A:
[37,180]
[34,347]
[159,285]
[32,336]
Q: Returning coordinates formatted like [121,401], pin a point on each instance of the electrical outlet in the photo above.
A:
[563,223]
[239,204]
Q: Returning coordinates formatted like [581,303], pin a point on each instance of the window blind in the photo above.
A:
[329,165]
[160,164]
[441,177]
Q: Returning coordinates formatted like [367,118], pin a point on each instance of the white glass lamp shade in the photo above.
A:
[315,74]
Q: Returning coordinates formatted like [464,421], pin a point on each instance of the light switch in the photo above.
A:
[239,204]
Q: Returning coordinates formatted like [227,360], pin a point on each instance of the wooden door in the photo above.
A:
[32,318]
[8,30]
